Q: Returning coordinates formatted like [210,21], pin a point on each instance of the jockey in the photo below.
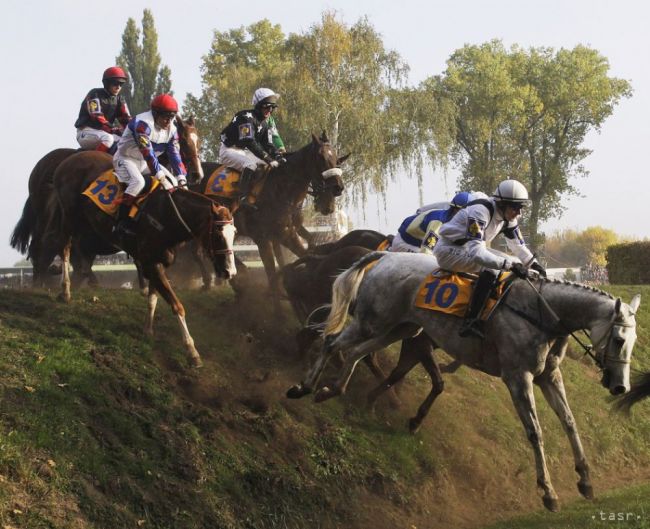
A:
[99,110]
[462,246]
[146,137]
[247,141]
[419,232]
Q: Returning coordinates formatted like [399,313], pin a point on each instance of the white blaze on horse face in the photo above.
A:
[195,139]
[229,234]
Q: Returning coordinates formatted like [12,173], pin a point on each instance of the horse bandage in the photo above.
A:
[450,294]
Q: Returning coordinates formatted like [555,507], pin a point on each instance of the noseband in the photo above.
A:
[211,249]
[329,181]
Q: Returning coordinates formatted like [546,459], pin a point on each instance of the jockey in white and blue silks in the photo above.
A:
[145,138]
[419,232]
[462,244]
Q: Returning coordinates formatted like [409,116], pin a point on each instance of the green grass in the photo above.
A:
[103,428]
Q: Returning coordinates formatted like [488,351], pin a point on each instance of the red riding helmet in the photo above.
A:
[164,103]
[114,72]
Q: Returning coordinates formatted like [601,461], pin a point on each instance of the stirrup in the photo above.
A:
[471,327]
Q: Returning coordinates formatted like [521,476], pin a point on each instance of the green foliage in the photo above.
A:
[335,77]
[579,248]
[142,61]
[102,428]
[627,263]
[524,114]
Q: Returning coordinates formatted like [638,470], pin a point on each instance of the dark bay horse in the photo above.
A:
[26,237]
[315,169]
[525,340]
[165,220]
[369,239]
[308,283]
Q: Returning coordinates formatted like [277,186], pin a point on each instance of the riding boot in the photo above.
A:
[125,225]
[472,324]
[246,183]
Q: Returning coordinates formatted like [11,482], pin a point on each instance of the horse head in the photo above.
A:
[190,147]
[218,242]
[614,343]
[326,181]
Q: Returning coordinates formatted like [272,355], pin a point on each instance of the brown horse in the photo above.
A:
[165,220]
[308,283]
[27,235]
[307,171]
[370,239]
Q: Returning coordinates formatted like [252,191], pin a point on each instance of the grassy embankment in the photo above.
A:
[102,428]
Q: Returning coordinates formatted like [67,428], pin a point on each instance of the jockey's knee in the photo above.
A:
[136,185]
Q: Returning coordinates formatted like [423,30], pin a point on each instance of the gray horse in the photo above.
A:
[525,340]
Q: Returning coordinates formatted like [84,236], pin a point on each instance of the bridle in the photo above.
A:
[328,182]
[211,250]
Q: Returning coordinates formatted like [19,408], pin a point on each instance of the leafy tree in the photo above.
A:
[142,62]
[334,77]
[579,248]
[524,114]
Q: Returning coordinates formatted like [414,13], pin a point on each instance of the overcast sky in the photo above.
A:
[53,52]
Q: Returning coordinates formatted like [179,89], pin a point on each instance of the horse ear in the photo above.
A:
[340,160]
[324,138]
[634,304]
[617,308]
[190,121]
[314,139]
[179,121]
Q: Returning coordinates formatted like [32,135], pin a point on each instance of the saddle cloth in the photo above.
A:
[450,293]
[106,193]
[224,183]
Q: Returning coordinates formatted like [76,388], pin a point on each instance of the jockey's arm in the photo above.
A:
[123,114]
[517,245]
[431,236]
[175,160]
[141,132]
[94,107]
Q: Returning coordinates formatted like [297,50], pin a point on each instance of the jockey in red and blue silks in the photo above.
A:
[146,137]
[96,129]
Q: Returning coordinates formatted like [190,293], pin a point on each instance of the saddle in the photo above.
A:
[106,193]
[451,292]
[223,182]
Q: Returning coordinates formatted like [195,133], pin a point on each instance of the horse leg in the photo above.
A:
[374,367]
[265,248]
[405,363]
[520,385]
[152,301]
[552,386]
[279,254]
[206,273]
[423,351]
[142,281]
[159,282]
[65,267]
[355,355]
[293,242]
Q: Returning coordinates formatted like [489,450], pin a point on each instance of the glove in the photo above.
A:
[117,131]
[160,175]
[274,163]
[519,270]
[539,269]
[182,183]
[280,159]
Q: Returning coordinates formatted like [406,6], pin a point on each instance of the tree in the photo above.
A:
[579,248]
[334,77]
[524,114]
[142,62]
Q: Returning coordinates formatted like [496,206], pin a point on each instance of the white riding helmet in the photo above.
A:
[511,191]
[262,94]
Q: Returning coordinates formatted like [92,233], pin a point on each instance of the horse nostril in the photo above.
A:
[618,390]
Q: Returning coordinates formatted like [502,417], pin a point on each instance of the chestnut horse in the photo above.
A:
[165,220]
[26,237]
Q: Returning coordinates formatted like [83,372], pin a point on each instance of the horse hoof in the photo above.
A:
[62,297]
[196,362]
[297,391]
[325,393]
[586,490]
[552,504]
[414,425]
[144,292]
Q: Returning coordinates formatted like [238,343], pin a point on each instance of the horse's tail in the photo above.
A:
[344,292]
[639,391]
[54,215]
[24,228]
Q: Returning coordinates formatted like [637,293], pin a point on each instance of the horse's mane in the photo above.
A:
[577,285]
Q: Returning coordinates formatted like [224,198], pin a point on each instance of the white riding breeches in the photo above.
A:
[90,138]
[238,159]
[127,171]
[399,245]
